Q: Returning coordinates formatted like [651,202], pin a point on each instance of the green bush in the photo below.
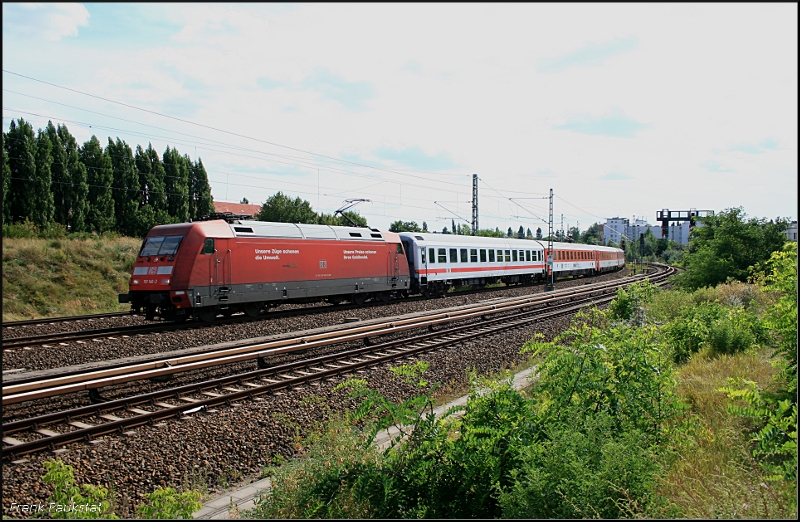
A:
[71,501]
[25,230]
[314,484]
[714,327]
[584,471]
[629,303]
[166,503]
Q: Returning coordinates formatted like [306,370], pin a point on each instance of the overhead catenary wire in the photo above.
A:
[329,163]
[210,127]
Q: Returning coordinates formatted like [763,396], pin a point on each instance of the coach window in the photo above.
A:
[527,255]
[208,246]
[483,255]
[473,255]
[422,252]
[514,257]
[499,256]
[463,255]
[491,256]
[508,256]
[454,255]
[442,255]
[432,255]
[521,255]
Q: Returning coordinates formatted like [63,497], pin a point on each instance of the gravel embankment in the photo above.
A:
[214,449]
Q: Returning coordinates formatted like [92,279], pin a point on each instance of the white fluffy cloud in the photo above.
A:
[51,21]
[621,109]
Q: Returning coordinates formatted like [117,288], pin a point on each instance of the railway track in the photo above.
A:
[62,338]
[88,422]
[88,317]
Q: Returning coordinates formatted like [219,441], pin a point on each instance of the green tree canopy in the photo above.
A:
[152,191]
[77,196]
[60,178]
[404,226]
[201,203]
[342,221]
[6,182]
[464,229]
[283,209]
[42,212]
[20,144]
[126,186]
[176,185]
[727,245]
[488,232]
[100,179]
[592,235]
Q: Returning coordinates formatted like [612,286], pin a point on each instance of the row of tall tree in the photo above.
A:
[48,178]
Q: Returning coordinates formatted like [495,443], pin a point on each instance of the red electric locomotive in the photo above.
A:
[211,267]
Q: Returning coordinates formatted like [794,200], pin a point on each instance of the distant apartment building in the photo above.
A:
[678,232]
[616,228]
[791,232]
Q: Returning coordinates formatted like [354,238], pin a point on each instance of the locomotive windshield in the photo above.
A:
[161,245]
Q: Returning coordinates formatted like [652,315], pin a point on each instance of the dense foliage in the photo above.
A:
[51,181]
[727,246]
[605,430]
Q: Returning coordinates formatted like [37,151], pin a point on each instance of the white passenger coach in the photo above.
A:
[440,261]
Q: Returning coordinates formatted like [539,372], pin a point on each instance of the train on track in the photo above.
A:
[223,266]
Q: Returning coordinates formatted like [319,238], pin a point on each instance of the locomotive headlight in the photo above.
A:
[165,281]
[134,281]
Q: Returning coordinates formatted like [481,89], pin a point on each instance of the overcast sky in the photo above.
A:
[621,109]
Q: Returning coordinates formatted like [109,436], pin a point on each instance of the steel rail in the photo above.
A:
[347,362]
[23,391]
[47,320]
[62,337]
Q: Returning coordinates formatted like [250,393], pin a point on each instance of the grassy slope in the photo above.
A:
[62,277]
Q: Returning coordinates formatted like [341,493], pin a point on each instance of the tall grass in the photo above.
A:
[713,474]
[63,276]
